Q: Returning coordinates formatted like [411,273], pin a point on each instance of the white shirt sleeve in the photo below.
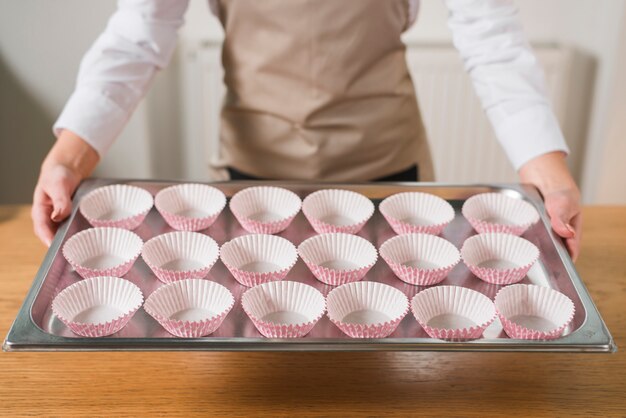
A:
[507,77]
[116,72]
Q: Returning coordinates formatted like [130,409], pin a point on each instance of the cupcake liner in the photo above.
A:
[190,207]
[532,312]
[415,212]
[190,308]
[366,309]
[497,212]
[283,309]
[335,210]
[453,312]
[420,259]
[338,258]
[102,251]
[180,255]
[118,205]
[499,258]
[98,306]
[256,259]
[265,209]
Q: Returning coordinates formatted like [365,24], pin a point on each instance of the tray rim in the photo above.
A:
[592,336]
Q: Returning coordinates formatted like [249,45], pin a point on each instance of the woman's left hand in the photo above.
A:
[549,173]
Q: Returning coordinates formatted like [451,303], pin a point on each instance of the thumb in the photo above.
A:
[560,217]
[60,194]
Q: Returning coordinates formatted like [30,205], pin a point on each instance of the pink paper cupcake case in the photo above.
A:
[338,277]
[135,199]
[128,223]
[425,246]
[256,227]
[258,248]
[551,301]
[436,301]
[117,271]
[324,228]
[419,277]
[248,203]
[357,296]
[343,246]
[185,241]
[173,200]
[184,294]
[99,330]
[292,291]
[501,277]
[270,330]
[328,202]
[251,279]
[94,241]
[182,223]
[368,331]
[437,212]
[480,248]
[400,227]
[77,297]
[480,209]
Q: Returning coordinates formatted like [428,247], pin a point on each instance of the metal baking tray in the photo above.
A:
[37,329]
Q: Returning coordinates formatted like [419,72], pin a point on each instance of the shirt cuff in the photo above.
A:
[528,133]
[94,117]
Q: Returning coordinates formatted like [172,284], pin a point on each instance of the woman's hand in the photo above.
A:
[70,160]
[549,173]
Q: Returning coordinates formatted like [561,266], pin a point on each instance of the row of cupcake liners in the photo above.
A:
[271,209]
[333,258]
[194,308]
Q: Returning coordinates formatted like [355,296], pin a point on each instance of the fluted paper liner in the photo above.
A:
[420,259]
[499,258]
[533,312]
[102,251]
[284,309]
[118,205]
[190,207]
[453,312]
[416,212]
[259,258]
[265,209]
[180,255]
[497,212]
[335,210]
[98,306]
[366,309]
[338,258]
[190,308]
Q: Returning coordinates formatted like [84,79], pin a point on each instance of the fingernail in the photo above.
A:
[55,214]
[570,229]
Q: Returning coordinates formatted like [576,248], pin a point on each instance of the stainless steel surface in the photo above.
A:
[36,328]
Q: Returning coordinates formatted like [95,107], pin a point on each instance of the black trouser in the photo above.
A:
[410,174]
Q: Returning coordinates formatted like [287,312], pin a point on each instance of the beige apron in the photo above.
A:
[319,90]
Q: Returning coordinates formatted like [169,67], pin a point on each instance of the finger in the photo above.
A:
[42,224]
[573,244]
[561,212]
[59,192]
[40,213]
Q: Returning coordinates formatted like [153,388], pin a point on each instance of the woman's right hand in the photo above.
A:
[70,160]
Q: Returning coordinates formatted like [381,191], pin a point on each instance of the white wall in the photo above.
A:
[41,43]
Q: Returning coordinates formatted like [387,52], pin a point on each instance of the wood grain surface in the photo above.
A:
[319,384]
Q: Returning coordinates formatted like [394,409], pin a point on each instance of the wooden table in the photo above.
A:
[326,384]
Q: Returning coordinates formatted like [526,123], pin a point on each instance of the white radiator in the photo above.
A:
[462,142]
